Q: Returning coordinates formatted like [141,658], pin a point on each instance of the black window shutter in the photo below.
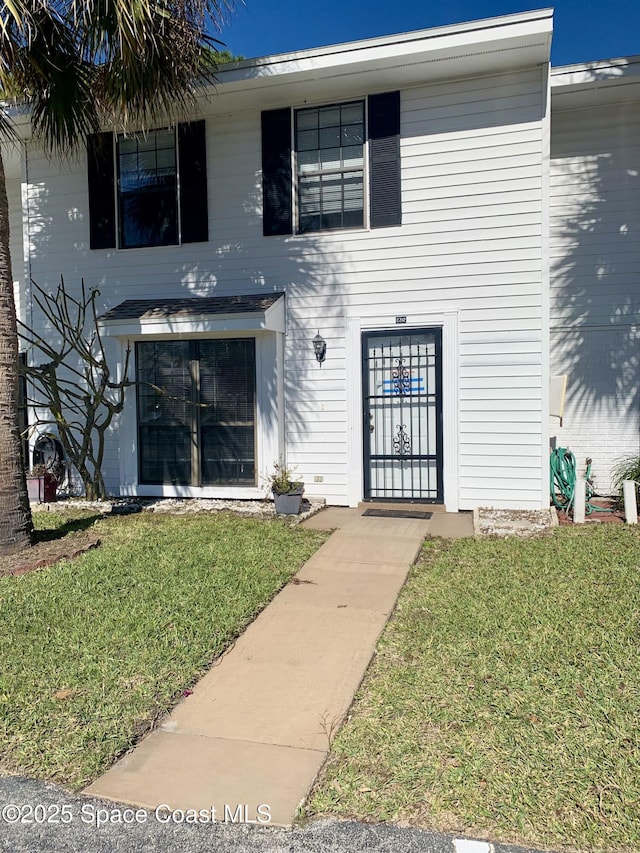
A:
[384,160]
[192,156]
[276,172]
[102,203]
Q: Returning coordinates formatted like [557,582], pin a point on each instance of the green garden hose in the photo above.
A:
[563,481]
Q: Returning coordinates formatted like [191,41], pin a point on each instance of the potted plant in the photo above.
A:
[42,485]
[287,491]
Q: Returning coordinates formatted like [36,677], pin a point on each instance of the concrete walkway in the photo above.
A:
[256,730]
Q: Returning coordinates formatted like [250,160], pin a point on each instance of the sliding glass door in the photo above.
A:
[196,412]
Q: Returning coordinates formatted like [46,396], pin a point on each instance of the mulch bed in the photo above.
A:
[44,554]
[71,544]
[613,515]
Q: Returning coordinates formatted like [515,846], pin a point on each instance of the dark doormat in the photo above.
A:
[397,513]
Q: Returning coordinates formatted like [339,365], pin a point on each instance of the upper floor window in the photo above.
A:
[148,189]
[329,145]
[316,162]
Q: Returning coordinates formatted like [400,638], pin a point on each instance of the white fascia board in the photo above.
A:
[591,72]
[454,36]
[591,83]
[275,317]
[526,37]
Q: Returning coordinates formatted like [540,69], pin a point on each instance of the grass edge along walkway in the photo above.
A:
[504,697]
[96,649]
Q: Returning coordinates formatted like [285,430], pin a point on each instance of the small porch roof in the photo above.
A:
[195,315]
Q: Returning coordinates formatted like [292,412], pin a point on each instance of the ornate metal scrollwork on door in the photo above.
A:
[401,378]
[401,442]
[402,412]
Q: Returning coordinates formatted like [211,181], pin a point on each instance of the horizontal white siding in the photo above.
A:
[601,412]
[595,282]
[470,243]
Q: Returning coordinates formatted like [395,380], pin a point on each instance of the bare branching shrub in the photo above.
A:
[74,381]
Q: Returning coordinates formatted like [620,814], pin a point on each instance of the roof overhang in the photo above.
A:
[399,61]
[593,83]
[194,316]
[487,46]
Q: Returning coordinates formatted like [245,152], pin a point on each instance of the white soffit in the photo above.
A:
[406,59]
[487,46]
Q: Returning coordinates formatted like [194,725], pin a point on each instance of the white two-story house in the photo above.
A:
[401,201]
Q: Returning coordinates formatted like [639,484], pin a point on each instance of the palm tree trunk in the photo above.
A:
[15,513]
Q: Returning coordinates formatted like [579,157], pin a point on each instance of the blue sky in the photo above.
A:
[584,30]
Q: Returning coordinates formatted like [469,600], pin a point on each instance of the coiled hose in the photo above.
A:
[563,481]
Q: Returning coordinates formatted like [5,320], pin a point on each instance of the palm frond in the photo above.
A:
[79,61]
[626,468]
[41,66]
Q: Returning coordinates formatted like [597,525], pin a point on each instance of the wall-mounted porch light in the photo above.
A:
[319,347]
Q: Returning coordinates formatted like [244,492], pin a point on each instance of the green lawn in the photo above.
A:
[95,649]
[504,700]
